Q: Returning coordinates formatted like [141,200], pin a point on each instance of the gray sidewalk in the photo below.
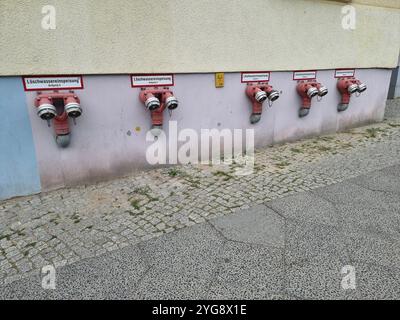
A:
[284,231]
[68,225]
[288,248]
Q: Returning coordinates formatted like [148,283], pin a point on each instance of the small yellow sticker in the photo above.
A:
[219,80]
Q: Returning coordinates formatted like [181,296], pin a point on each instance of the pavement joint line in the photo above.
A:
[373,190]
[280,214]
[252,244]
[284,253]
[334,205]
[219,262]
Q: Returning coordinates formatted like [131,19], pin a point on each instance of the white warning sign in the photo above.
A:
[304,75]
[152,80]
[259,76]
[344,73]
[41,83]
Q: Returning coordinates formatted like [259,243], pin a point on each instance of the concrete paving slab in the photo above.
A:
[386,180]
[347,193]
[191,250]
[25,289]
[373,249]
[257,225]
[311,279]
[110,276]
[375,282]
[252,271]
[375,219]
[313,242]
[372,282]
[166,285]
[306,207]
[361,209]
[388,171]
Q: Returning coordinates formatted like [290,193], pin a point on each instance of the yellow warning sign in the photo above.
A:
[219,80]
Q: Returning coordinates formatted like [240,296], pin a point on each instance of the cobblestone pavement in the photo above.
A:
[304,246]
[68,225]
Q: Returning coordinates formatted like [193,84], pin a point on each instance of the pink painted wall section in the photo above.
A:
[106,143]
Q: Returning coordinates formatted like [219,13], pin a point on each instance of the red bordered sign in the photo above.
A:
[43,83]
[305,75]
[255,76]
[345,73]
[152,80]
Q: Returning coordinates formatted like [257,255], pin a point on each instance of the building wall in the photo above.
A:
[394,87]
[188,36]
[109,139]
[378,3]
[397,86]
[19,173]
[107,40]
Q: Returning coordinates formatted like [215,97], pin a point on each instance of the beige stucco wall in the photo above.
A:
[128,36]
[381,3]
[377,3]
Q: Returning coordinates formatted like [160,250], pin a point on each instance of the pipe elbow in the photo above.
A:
[63,140]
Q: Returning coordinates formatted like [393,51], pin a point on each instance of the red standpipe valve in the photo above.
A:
[258,94]
[68,103]
[308,90]
[157,100]
[347,87]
